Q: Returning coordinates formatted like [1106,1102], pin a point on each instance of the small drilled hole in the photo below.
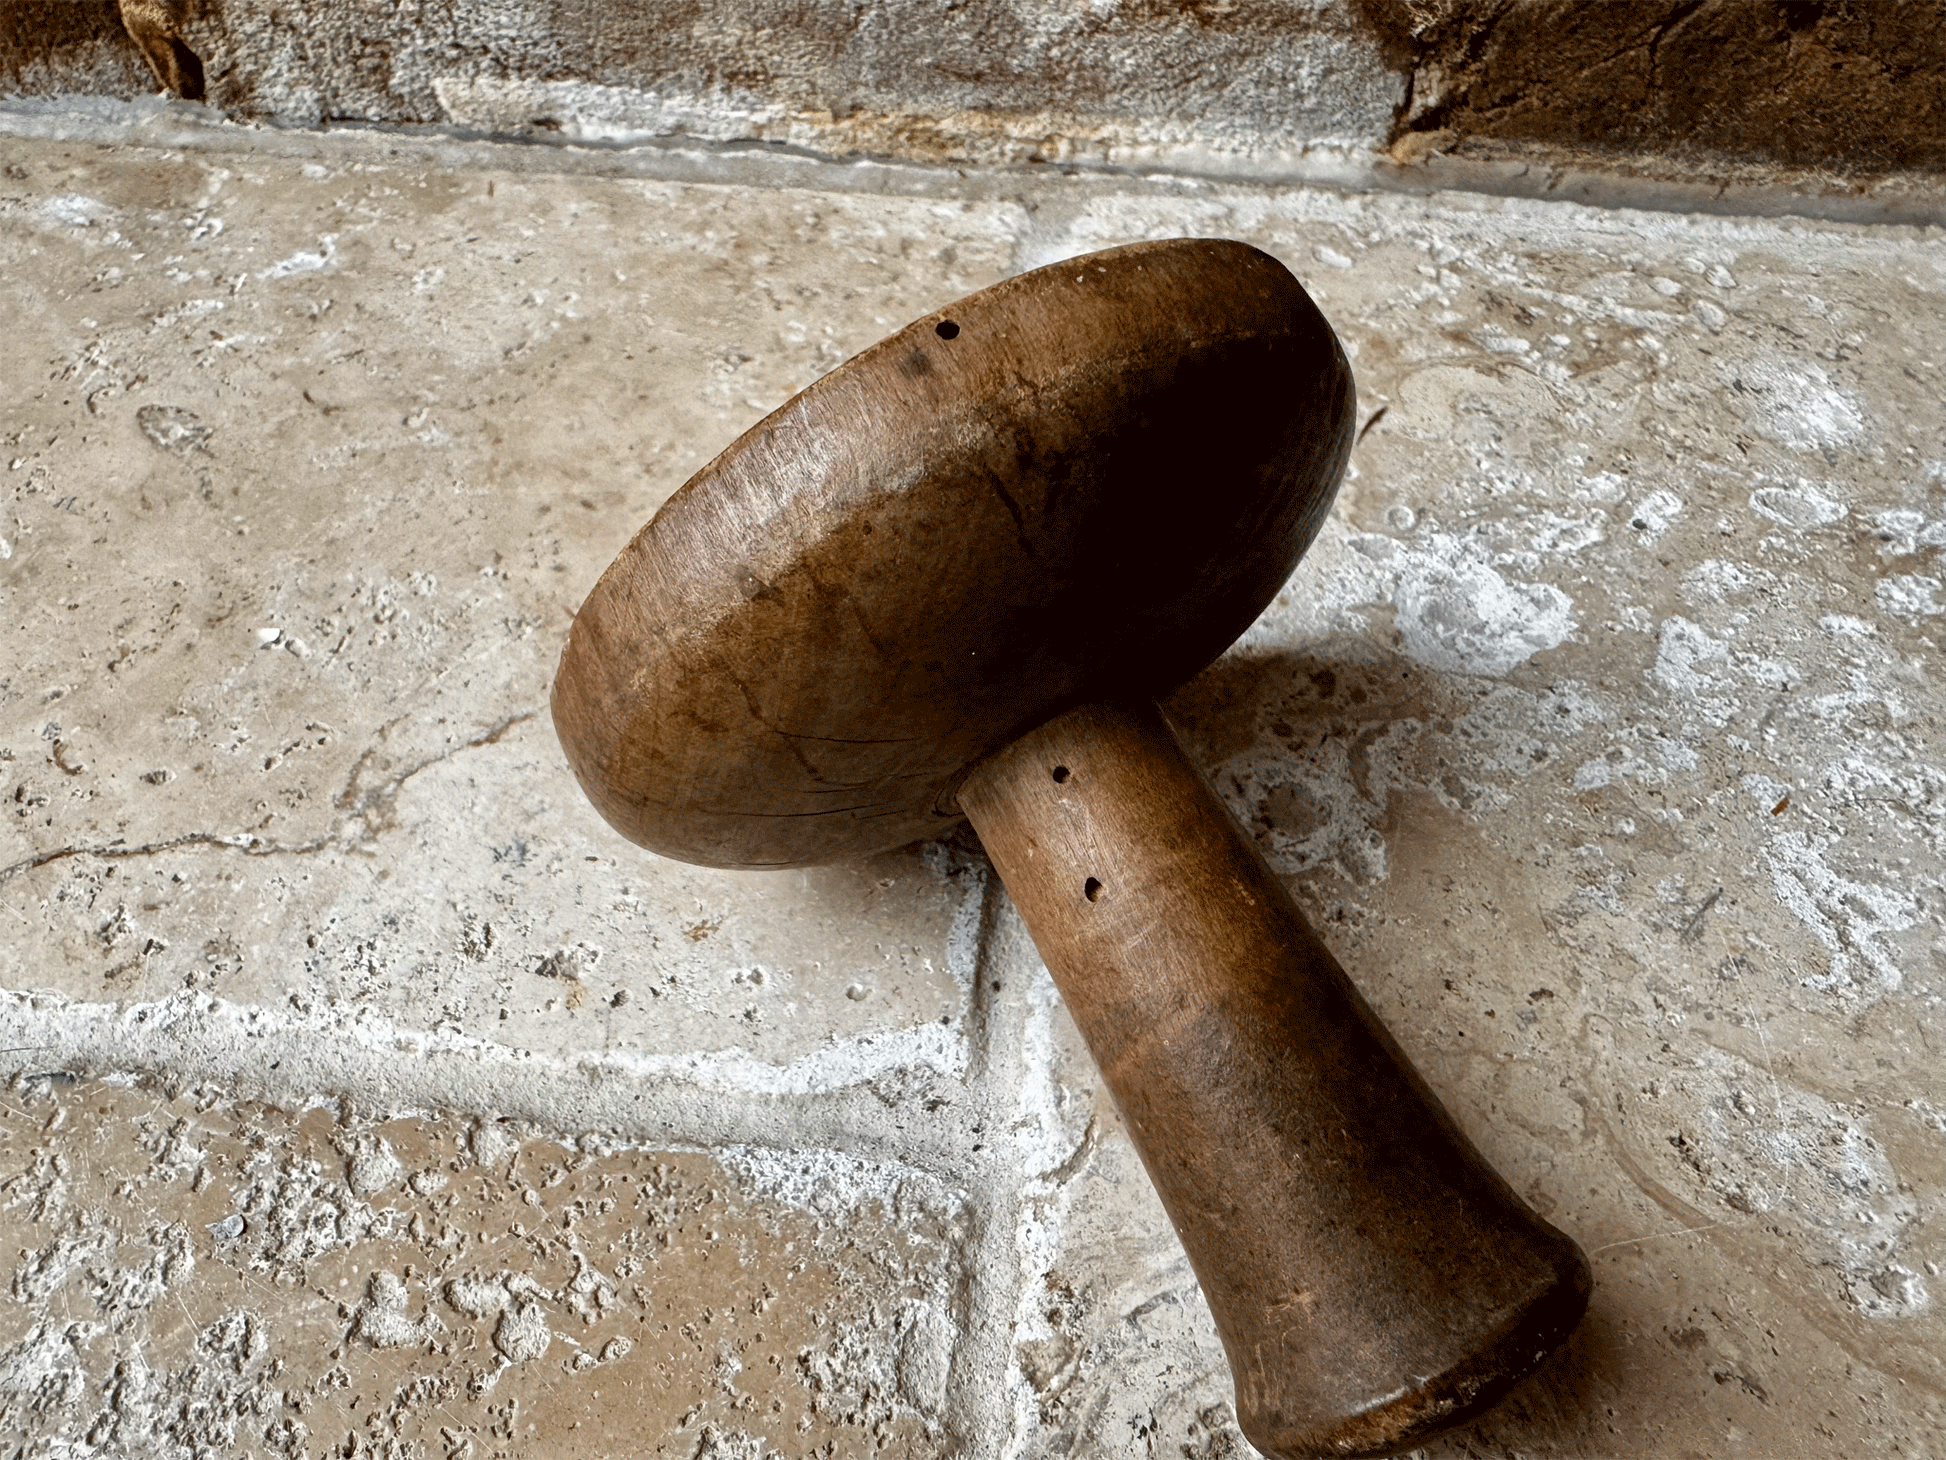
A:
[1091,889]
[1060,774]
[946,330]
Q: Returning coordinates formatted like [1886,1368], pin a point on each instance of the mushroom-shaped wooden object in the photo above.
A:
[951,578]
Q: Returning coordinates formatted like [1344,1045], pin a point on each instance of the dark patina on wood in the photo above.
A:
[952,576]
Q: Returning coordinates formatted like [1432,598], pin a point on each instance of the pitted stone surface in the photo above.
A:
[1600,734]
[196,1276]
[340,554]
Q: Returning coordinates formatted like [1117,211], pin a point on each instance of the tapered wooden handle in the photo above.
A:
[1372,1279]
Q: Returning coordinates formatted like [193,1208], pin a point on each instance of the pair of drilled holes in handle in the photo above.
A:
[1091,889]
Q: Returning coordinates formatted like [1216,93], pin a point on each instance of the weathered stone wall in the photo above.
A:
[1853,85]
[1023,80]
[49,46]
[1666,87]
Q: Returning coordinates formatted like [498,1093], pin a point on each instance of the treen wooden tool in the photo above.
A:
[951,577]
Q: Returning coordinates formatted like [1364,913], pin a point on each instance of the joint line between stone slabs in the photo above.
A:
[976,1414]
[262,1056]
[1900,199]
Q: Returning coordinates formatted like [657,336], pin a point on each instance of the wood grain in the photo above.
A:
[1096,483]
[1373,1280]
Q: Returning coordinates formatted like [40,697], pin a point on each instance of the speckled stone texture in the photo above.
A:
[225,1279]
[1600,733]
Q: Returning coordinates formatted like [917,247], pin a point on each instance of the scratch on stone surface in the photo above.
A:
[250,844]
[112,852]
[390,786]
[1657,1237]
[1777,1105]
[1693,930]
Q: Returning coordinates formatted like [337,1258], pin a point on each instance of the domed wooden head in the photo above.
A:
[1085,481]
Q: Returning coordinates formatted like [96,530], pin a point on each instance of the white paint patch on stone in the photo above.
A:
[381,1319]
[1043,1134]
[1715,581]
[1039,1136]
[218,1033]
[855,1060]
[1551,535]
[1916,789]
[49,1360]
[1860,697]
[1802,505]
[374,1168]
[72,210]
[1496,341]
[1312,813]
[1592,775]
[832,1184]
[717,1443]
[1761,1146]
[1886,1289]
[1604,487]
[1795,403]
[1335,583]
[1653,514]
[1903,532]
[963,933]
[1850,919]
[1769,671]
[1910,596]
[478,1297]
[523,1334]
[492,1145]
[925,1356]
[306,261]
[1456,614]
[1682,648]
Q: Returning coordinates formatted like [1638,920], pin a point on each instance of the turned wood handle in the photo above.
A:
[1373,1280]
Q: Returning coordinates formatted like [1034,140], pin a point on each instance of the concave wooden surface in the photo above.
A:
[1085,480]
[1373,1280]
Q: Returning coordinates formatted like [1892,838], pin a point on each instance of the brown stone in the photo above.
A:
[68,45]
[1852,85]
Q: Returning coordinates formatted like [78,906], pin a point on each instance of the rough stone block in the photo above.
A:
[192,1275]
[1823,101]
[346,449]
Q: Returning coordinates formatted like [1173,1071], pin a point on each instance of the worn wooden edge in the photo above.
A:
[597,708]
